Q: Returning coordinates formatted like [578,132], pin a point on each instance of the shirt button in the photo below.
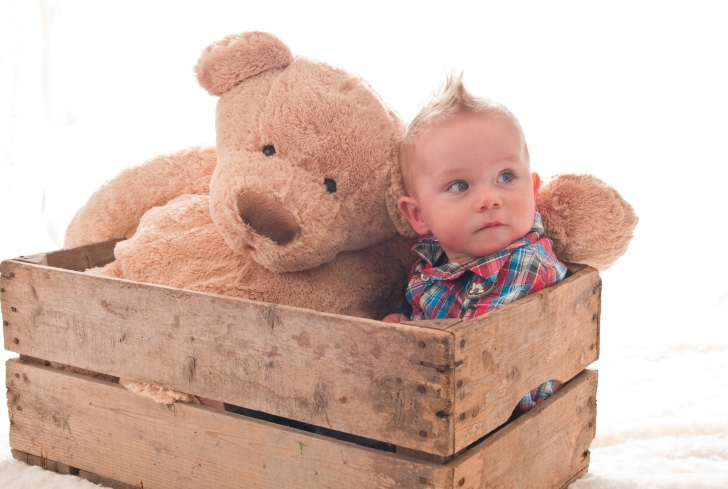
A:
[424,277]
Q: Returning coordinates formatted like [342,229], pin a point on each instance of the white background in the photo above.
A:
[632,92]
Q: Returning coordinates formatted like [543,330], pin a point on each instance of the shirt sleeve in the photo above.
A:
[530,269]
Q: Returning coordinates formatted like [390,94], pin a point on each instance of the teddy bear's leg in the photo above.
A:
[114,210]
[158,394]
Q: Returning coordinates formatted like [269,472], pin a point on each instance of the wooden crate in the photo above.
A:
[436,396]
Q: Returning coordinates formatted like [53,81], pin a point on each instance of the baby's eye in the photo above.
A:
[506,177]
[458,187]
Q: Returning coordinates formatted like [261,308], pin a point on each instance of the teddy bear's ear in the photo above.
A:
[231,60]
[395,190]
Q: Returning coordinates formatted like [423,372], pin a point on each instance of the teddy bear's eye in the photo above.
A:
[330,185]
[269,150]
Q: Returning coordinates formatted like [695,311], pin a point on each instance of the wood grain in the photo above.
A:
[79,258]
[429,386]
[110,436]
[389,382]
[101,428]
[552,334]
[548,447]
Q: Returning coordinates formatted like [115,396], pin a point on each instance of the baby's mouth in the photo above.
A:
[491,225]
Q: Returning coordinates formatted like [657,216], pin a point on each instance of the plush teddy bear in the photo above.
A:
[297,203]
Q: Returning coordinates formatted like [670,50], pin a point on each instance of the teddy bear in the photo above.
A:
[297,203]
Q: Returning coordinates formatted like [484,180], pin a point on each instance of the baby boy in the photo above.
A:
[471,195]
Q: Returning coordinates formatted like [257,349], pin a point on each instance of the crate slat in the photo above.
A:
[102,428]
[500,362]
[348,374]
[79,258]
[431,386]
[546,447]
[108,434]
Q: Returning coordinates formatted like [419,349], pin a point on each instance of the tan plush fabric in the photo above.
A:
[587,220]
[114,210]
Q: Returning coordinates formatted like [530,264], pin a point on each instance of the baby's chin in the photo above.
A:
[492,240]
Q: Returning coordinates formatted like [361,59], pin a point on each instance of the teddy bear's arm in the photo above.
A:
[114,210]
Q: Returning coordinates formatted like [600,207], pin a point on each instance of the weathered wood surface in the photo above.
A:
[548,447]
[434,387]
[59,468]
[43,462]
[79,258]
[388,382]
[109,436]
[103,429]
[498,363]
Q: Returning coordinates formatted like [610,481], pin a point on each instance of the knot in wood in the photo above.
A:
[189,368]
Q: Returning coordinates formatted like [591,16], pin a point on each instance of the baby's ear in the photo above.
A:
[231,60]
[395,190]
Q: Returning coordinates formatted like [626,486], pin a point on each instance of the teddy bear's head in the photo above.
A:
[307,165]
[305,154]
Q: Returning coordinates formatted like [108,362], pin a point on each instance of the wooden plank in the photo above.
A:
[389,382]
[552,334]
[103,429]
[79,258]
[548,447]
[43,462]
[106,481]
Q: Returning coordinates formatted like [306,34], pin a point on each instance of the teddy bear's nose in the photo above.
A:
[267,217]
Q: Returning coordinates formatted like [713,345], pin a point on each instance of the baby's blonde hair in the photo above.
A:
[452,99]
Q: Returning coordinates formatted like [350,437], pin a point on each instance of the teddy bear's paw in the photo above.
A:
[158,394]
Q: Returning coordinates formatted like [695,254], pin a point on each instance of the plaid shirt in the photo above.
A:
[439,290]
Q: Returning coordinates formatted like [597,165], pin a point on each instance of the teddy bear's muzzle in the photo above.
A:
[267,217]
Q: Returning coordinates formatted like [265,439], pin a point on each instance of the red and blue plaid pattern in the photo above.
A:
[439,290]
[538,395]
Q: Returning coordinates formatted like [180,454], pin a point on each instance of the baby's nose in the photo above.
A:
[488,198]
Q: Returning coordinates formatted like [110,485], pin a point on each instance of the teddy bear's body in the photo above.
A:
[289,208]
[178,245]
[297,203]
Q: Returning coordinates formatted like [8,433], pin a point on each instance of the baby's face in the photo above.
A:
[472,186]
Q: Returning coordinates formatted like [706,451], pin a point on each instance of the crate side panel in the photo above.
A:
[101,428]
[548,447]
[79,258]
[552,334]
[384,381]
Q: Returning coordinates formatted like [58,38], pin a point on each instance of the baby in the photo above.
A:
[471,194]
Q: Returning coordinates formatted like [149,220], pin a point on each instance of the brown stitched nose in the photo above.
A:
[267,217]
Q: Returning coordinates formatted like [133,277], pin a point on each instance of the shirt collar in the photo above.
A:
[431,253]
